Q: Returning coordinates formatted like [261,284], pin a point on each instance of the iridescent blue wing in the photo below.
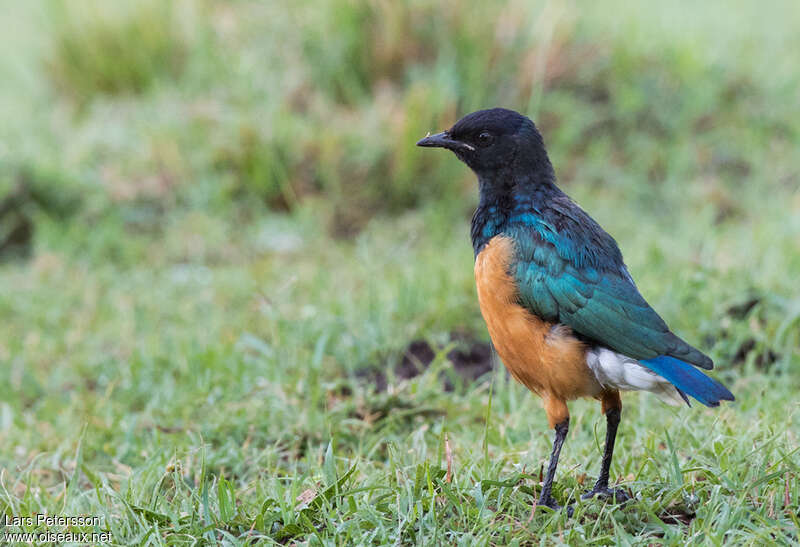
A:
[568,270]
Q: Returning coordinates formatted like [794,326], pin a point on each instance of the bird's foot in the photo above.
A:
[616,495]
[552,504]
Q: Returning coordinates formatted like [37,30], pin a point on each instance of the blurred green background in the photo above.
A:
[216,233]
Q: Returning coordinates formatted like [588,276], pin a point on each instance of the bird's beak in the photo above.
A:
[443,140]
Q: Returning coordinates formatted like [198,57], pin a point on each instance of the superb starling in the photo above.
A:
[562,310]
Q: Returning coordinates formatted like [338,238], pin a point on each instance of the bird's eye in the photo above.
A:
[485,138]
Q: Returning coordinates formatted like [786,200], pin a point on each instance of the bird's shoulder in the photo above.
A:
[560,227]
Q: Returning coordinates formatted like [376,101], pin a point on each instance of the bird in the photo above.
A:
[563,312]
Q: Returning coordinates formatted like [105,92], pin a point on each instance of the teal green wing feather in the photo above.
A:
[598,301]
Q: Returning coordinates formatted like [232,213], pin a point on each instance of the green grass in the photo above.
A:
[115,49]
[218,254]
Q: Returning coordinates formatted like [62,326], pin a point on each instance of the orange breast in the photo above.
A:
[543,356]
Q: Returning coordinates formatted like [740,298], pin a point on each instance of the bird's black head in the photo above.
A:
[495,142]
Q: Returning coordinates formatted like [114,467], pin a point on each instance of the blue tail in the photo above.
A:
[689,380]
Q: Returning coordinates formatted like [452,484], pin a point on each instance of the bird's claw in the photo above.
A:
[616,495]
[552,504]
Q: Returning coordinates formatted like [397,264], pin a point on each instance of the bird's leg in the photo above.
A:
[546,497]
[612,407]
[558,417]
